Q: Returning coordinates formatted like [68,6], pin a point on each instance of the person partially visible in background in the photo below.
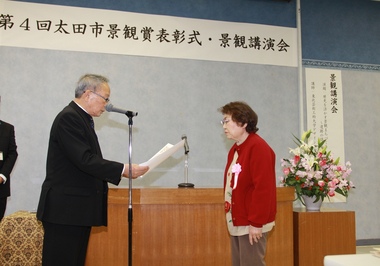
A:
[249,185]
[8,157]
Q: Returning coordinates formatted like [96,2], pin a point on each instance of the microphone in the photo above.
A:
[111,108]
[186,145]
[186,184]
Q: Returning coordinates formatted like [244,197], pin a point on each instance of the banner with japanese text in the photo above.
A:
[324,95]
[56,27]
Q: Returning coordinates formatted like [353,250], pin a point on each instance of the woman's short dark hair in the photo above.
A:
[241,113]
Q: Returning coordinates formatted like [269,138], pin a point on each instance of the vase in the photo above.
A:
[310,203]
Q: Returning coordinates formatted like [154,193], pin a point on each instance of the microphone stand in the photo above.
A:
[130,210]
[186,184]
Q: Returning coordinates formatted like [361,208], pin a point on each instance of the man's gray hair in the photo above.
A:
[89,82]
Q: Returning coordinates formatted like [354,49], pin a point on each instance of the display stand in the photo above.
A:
[317,234]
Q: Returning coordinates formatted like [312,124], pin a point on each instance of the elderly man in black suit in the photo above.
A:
[74,193]
[8,156]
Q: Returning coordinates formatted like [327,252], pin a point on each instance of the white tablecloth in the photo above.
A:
[351,260]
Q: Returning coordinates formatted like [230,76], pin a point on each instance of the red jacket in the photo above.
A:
[254,198]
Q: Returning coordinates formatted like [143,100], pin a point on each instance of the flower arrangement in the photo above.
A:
[313,171]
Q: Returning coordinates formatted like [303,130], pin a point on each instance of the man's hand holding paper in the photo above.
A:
[137,170]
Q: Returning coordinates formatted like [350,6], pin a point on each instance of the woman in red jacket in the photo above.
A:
[249,185]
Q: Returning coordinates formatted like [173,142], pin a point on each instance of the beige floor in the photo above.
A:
[365,249]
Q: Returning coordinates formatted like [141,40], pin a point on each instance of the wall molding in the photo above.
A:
[368,242]
[339,65]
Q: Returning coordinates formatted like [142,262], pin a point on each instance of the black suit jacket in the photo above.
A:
[9,149]
[75,188]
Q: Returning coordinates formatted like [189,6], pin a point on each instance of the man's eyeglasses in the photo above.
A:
[106,99]
[224,121]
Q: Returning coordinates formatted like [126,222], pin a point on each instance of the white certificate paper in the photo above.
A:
[163,154]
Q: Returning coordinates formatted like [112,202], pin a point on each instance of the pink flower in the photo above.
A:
[236,169]
[331,184]
[286,171]
[321,183]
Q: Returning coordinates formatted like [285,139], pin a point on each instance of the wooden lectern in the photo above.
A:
[178,226]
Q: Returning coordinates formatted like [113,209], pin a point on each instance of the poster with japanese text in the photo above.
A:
[324,98]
